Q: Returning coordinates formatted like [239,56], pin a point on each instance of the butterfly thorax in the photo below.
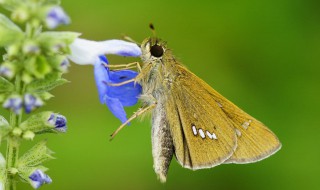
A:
[158,69]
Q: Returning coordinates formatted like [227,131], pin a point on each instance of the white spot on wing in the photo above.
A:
[194,130]
[202,135]
[209,134]
[214,136]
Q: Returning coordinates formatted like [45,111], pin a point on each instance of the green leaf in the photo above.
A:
[5,85]
[3,122]
[45,95]
[56,42]
[37,122]
[9,32]
[67,37]
[50,81]
[4,128]
[38,154]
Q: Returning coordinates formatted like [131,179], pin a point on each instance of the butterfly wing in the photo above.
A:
[254,140]
[202,134]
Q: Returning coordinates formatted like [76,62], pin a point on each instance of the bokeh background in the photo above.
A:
[262,55]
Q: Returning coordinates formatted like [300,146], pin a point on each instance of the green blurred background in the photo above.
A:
[261,54]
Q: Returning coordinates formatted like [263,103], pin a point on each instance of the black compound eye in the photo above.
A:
[156,51]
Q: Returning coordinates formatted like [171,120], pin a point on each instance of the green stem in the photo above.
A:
[13,144]
[12,158]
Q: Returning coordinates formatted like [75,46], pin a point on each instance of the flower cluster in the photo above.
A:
[33,65]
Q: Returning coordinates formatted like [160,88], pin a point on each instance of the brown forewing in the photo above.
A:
[254,140]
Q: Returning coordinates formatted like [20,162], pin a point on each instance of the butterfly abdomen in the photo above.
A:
[162,143]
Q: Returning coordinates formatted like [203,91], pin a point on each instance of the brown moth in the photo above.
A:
[191,120]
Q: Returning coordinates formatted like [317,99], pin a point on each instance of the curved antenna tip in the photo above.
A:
[151,26]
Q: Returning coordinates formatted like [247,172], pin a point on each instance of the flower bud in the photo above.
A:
[13,103]
[16,131]
[28,135]
[44,122]
[56,16]
[13,51]
[13,171]
[59,122]
[64,65]
[38,178]
[31,102]
[20,15]
[31,48]
[26,77]
[58,47]
[7,70]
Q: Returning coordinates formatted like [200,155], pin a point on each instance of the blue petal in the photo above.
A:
[116,107]
[116,97]
[38,178]
[101,76]
[103,59]
[128,94]
[121,76]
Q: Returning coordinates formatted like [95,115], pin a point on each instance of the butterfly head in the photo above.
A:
[153,49]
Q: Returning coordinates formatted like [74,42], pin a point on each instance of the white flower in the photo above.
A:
[86,52]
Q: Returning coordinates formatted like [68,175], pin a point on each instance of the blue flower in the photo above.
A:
[115,97]
[59,122]
[38,178]
[14,103]
[31,102]
[64,65]
[7,71]
[55,17]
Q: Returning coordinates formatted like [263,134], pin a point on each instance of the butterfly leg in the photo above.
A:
[135,115]
[132,65]
[137,79]
[121,83]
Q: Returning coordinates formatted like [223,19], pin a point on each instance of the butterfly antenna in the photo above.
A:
[151,26]
[129,39]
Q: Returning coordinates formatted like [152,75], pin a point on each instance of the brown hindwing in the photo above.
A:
[202,133]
